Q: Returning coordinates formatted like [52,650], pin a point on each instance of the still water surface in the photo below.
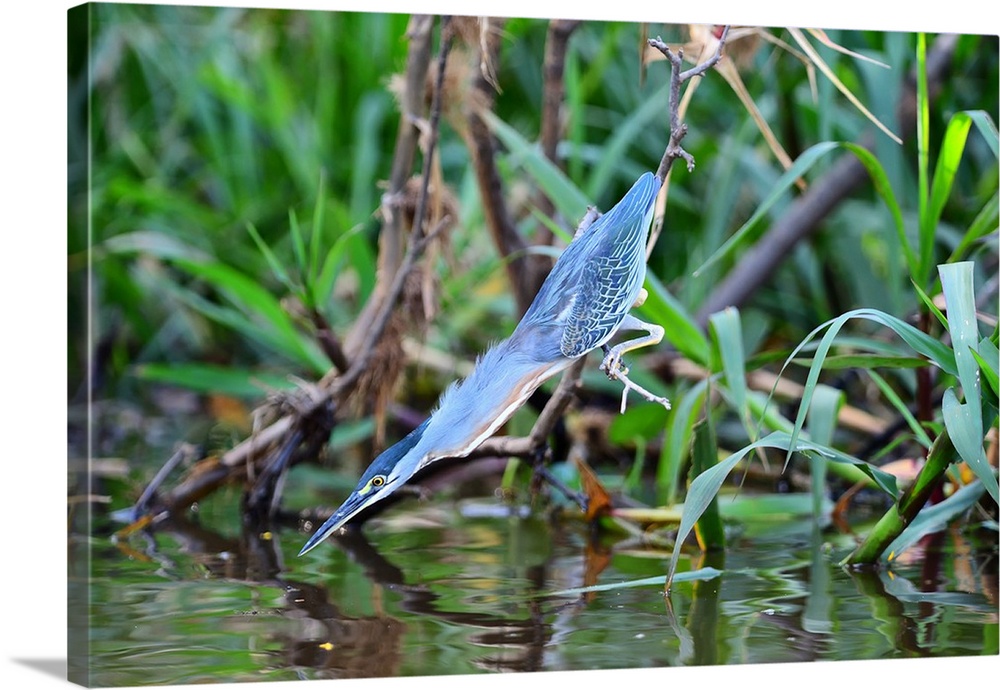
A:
[458,587]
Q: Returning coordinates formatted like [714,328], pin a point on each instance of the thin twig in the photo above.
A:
[628,384]
[678,76]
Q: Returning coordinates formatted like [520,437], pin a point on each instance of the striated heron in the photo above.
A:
[583,303]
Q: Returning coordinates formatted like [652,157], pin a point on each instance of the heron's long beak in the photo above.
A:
[354,504]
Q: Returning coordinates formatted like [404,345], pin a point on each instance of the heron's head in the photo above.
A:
[389,471]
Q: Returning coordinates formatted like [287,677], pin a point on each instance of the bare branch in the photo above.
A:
[677,78]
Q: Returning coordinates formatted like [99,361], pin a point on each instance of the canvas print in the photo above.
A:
[416,345]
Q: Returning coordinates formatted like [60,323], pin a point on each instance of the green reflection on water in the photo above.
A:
[435,593]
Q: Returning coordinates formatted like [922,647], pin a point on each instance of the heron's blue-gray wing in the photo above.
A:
[612,271]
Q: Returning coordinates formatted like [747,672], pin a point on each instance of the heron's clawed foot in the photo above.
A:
[617,371]
[612,364]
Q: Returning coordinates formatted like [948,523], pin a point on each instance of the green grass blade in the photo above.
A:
[935,518]
[952,148]
[298,242]
[922,270]
[208,378]
[704,455]
[725,326]
[957,283]
[677,440]
[316,239]
[965,429]
[687,576]
[625,134]
[706,485]
[866,361]
[987,128]
[249,296]
[949,157]
[153,243]
[901,408]
[237,321]
[929,303]
[822,422]
[273,261]
[984,223]
[925,345]
[323,286]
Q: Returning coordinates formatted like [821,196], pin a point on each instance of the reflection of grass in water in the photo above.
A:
[192,629]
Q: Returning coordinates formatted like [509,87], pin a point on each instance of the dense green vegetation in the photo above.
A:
[236,162]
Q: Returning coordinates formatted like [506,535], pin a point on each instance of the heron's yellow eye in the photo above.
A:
[378,480]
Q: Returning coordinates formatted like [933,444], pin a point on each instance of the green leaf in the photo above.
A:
[725,326]
[208,378]
[323,286]
[822,422]
[964,421]
[987,128]
[935,518]
[920,270]
[952,148]
[986,358]
[272,260]
[915,338]
[704,455]
[624,135]
[316,239]
[153,243]
[705,487]
[965,429]
[929,303]
[984,223]
[677,440]
[298,242]
[251,298]
[865,361]
[639,421]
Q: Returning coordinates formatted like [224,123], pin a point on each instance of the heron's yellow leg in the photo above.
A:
[613,357]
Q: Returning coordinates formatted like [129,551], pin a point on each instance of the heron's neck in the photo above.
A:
[471,411]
